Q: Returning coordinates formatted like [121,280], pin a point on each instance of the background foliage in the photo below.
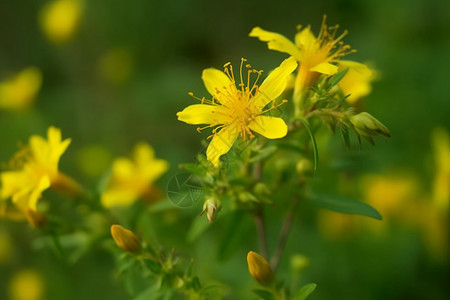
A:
[126,73]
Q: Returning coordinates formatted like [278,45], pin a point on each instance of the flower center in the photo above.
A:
[327,47]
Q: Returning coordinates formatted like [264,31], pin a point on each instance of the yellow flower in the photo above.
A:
[356,82]
[59,19]
[259,268]
[19,91]
[315,54]
[441,184]
[132,179]
[236,108]
[35,169]
[125,239]
[26,285]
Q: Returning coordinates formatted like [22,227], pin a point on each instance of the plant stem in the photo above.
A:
[284,234]
[259,221]
[259,214]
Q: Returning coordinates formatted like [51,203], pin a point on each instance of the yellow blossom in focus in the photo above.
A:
[357,81]
[34,169]
[259,268]
[237,105]
[19,91]
[26,285]
[133,178]
[316,55]
[59,19]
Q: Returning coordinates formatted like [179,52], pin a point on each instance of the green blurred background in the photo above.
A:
[126,71]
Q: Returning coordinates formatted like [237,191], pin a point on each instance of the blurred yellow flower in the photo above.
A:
[237,106]
[59,19]
[116,65]
[315,54]
[357,81]
[132,179]
[441,186]
[35,169]
[26,285]
[336,226]
[19,91]
[395,196]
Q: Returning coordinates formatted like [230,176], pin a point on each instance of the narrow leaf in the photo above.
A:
[313,141]
[345,205]
[305,291]
[264,294]
[337,77]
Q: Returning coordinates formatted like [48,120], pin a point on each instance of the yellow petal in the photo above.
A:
[270,127]
[216,82]
[305,39]
[276,41]
[118,197]
[221,143]
[204,114]
[57,147]
[325,68]
[35,195]
[356,83]
[11,182]
[123,168]
[275,83]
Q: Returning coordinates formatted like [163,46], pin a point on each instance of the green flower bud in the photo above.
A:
[211,207]
[367,126]
[304,166]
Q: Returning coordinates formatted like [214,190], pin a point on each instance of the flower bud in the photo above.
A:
[304,167]
[259,268]
[211,207]
[35,218]
[125,239]
[367,126]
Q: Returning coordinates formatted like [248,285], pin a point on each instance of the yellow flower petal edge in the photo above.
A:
[237,104]
[276,41]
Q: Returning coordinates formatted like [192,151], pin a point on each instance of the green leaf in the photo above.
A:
[263,153]
[198,226]
[313,141]
[337,77]
[264,294]
[305,291]
[345,136]
[235,235]
[345,205]
[194,169]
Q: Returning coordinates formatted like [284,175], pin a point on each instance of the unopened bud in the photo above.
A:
[299,262]
[304,166]
[261,189]
[259,268]
[367,126]
[35,218]
[211,207]
[125,239]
